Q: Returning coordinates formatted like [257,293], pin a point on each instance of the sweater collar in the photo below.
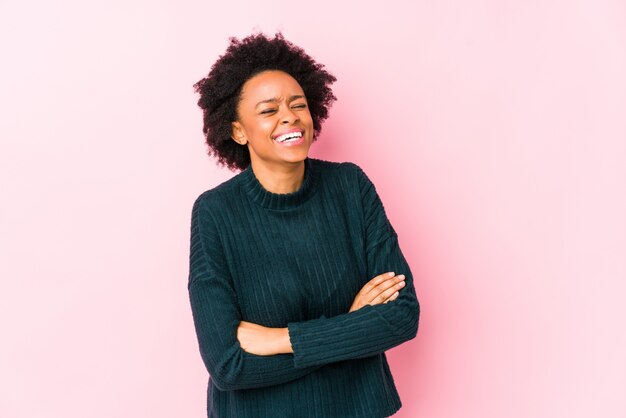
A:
[255,190]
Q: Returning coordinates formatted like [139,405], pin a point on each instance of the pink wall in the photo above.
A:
[494,130]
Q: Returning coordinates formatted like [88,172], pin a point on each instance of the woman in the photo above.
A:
[297,283]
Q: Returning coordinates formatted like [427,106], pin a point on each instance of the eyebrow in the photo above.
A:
[275,100]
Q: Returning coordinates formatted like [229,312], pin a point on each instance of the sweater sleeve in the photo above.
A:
[373,328]
[216,317]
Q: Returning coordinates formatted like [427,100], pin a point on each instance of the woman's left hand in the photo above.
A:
[263,341]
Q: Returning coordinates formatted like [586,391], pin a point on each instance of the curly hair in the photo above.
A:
[220,90]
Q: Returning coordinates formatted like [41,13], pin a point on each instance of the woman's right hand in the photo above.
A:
[381,289]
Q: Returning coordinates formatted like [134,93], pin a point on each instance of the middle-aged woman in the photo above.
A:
[297,283]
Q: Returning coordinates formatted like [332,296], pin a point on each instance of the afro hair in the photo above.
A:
[220,90]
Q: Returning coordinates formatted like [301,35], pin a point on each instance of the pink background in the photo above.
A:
[495,132]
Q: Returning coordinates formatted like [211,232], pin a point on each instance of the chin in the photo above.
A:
[296,155]
[295,159]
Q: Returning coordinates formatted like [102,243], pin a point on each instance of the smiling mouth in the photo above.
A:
[289,136]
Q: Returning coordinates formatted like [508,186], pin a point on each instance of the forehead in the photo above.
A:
[270,84]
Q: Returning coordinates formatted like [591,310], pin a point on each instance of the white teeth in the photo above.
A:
[289,136]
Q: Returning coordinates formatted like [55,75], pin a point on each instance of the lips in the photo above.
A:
[292,134]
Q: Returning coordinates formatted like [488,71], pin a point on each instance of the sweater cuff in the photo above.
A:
[298,339]
[353,335]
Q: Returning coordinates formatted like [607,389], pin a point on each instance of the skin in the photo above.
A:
[271,103]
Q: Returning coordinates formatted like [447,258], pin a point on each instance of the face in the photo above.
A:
[273,120]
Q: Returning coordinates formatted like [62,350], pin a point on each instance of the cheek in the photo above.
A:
[306,117]
[309,119]
[262,128]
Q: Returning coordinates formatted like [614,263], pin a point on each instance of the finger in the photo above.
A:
[392,297]
[386,294]
[377,280]
[396,282]
[378,290]
[389,292]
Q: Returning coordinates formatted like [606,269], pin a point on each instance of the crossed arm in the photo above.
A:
[264,341]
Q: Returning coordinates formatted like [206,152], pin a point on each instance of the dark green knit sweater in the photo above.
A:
[297,260]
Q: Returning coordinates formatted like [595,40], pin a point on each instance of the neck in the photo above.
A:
[279,178]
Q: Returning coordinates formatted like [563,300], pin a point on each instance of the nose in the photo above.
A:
[288,116]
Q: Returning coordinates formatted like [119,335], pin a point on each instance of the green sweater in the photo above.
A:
[297,260]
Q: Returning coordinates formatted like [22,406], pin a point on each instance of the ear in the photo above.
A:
[237,133]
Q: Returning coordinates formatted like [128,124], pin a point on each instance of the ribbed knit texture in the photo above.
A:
[297,260]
